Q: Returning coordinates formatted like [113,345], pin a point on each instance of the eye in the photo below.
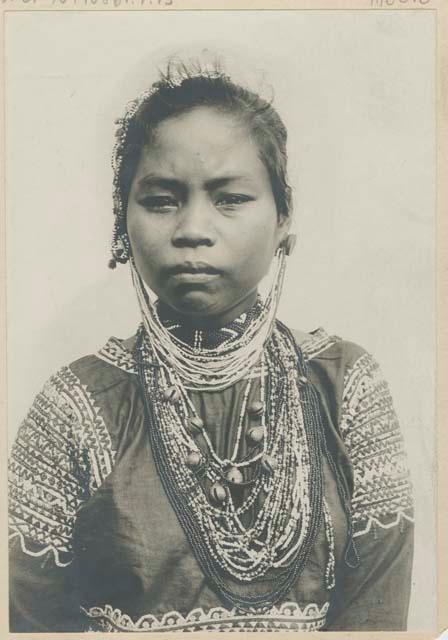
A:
[159,204]
[232,200]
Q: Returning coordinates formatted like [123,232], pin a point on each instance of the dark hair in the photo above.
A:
[259,115]
[168,98]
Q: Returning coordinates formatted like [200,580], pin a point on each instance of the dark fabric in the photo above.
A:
[131,553]
[42,596]
[375,595]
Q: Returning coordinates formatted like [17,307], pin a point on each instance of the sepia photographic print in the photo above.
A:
[221,245]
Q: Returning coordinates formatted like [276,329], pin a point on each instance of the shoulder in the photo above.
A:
[340,370]
[352,372]
[76,397]
[111,365]
[330,351]
[77,411]
[94,374]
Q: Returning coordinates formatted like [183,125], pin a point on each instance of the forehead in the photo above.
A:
[203,143]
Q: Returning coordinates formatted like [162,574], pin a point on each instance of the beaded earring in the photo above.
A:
[175,75]
[121,250]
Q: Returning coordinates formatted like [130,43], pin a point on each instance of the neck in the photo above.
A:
[212,321]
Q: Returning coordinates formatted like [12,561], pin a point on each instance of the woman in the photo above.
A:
[217,470]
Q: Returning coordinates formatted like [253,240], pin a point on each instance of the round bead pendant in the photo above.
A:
[302,380]
[256,434]
[268,463]
[234,476]
[256,408]
[196,425]
[171,394]
[193,459]
[217,492]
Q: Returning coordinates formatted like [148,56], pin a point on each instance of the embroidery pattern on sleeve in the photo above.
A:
[382,489]
[61,456]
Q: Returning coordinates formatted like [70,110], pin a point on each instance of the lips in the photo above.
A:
[193,273]
[193,268]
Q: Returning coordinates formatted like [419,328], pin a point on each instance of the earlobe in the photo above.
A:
[287,240]
[289,243]
[283,226]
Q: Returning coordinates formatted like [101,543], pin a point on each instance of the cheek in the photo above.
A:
[145,238]
[257,246]
[262,236]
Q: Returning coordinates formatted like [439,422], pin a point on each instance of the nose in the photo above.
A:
[195,225]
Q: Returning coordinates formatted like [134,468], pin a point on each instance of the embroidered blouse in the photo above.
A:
[96,546]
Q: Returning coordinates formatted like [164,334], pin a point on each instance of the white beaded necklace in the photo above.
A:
[283,521]
[217,368]
[286,486]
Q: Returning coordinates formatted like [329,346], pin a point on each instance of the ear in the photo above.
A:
[283,227]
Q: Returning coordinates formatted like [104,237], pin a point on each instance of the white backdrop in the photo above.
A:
[356,90]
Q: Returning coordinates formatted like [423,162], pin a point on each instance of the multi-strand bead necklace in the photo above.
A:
[286,458]
[211,369]
[284,496]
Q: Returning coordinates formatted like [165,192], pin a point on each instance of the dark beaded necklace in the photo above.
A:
[282,577]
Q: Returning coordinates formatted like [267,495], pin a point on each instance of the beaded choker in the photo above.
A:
[209,338]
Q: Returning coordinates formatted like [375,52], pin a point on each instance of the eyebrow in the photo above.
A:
[172,184]
[152,180]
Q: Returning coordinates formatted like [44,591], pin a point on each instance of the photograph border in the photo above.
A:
[440,8]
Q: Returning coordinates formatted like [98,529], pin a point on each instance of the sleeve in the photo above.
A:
[48,482]
[373,585]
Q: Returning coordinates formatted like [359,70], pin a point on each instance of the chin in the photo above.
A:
[195,304]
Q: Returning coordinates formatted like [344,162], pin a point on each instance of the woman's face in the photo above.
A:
[201,216]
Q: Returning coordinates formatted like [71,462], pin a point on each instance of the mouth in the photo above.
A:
[193,267]
[194,272]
